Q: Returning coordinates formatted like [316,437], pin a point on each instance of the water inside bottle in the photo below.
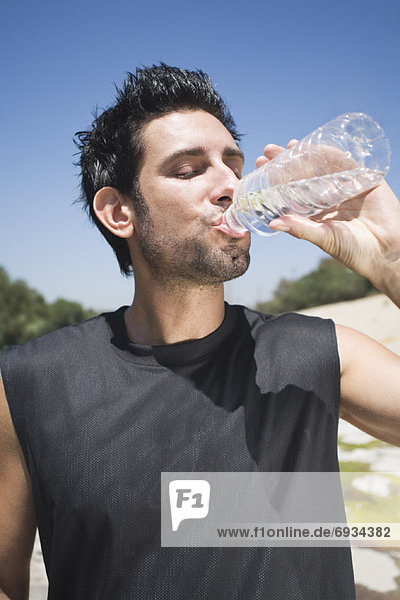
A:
[305,196]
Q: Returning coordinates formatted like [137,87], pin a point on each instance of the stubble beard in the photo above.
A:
[190,261]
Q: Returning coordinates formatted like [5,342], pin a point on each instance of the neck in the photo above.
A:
[167,315]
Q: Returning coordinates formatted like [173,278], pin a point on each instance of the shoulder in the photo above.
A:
[70,342]
[297,349]
[305,341]
[293,325]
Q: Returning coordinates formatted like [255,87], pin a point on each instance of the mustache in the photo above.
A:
[213,219]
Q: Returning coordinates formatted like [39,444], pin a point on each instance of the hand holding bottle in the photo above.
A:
[363,232]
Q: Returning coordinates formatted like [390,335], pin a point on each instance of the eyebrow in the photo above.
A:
[228,152]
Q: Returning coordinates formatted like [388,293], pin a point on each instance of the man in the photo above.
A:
[179,381]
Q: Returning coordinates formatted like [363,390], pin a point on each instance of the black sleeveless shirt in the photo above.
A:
[99,418]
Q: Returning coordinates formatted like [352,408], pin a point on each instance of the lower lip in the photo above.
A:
[224,229]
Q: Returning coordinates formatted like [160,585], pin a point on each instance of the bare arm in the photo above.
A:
[17,518]
[370,385]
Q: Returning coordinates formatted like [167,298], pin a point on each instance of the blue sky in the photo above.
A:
[284,69]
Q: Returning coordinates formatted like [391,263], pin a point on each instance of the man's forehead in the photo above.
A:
[180,130]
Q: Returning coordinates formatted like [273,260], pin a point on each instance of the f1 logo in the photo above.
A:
[189,499]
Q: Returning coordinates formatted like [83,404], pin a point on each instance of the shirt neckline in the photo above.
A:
[168,354]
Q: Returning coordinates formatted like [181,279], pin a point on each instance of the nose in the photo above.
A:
[223,186]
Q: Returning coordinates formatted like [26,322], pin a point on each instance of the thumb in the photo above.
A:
[304,228]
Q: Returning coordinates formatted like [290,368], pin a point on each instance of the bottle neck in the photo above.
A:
[232,222]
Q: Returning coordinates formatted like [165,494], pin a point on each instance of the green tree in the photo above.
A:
[63,312]
[24,313]
[330,282]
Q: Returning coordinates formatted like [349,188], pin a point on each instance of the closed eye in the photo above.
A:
[189,170]
[193,172]
[187,174]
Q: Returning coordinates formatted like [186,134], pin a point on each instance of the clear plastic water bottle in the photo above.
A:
[343,158]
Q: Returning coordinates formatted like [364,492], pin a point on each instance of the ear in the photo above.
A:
[114,211]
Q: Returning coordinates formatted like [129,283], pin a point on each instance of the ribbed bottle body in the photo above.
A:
[343,158]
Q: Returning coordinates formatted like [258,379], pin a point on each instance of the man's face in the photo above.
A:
[189,170]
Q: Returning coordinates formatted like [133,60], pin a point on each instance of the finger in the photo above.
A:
[272,150]
[292,142]
[316,232]
[260,161]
